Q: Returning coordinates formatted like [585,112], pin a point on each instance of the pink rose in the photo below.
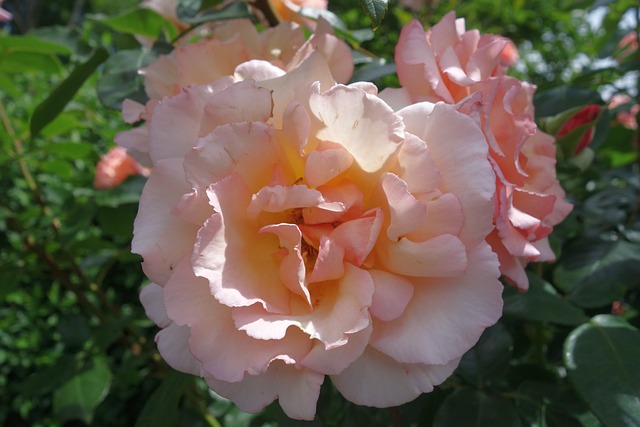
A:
[625,118]
[295,228]
[116,166]
[627,46]
[231,43]
[449,64]
[5,15]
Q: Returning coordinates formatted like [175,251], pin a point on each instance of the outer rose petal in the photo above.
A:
[189,302]
[445,317]
[173,345]
[153,302]
[296,389]
[368,122]
[378,380]
[161,238]
[335,360]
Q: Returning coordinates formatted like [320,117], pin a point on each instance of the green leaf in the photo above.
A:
[78,397]
[375,10]
[140,22]
[187,9]
[161,409]
[468,407]
[235,10]
[49,109]
[31,44]
[20,54]
[46,379]
[563,98]
[553,405]
[121,80]
[602,362]
[541,303]
[489,359]
[595,273]
[373,71]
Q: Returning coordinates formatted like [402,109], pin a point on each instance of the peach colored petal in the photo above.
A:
[340,309]
[377,380]
[189,302]
[153,303]
[159,237]
[448,315]
[442,256]
[296,389]
[367,122]
[392,294]
[220,258]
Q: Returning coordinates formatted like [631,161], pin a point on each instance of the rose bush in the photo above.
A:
[294,228]
[450,64]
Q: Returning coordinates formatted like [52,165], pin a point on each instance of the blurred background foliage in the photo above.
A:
[75,345]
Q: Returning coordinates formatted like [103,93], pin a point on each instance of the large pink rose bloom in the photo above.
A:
[459,67]
[230,44]
[295,228]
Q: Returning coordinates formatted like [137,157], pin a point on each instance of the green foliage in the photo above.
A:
[75,345]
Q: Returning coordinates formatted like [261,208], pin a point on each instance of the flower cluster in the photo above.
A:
[296,227]
[452,65]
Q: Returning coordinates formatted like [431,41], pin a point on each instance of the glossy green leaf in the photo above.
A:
[235,10]
[161,409]
[375,10]
[9,44]
[78,397]
[489,359]
[141,22]
[187,9]
[375,70]
[563,98]
[53,105]
[596,272]
[468,407]
[553,405]
[601,358]
[541,303]
[24,61]
[120,79]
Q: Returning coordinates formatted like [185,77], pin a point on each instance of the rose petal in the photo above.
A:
[297,390]
[445,317]
[367,122]
[159,237]
[377,380]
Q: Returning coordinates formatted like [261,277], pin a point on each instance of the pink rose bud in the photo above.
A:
[627,46]
[587,115]
[625,118]
[114,167]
